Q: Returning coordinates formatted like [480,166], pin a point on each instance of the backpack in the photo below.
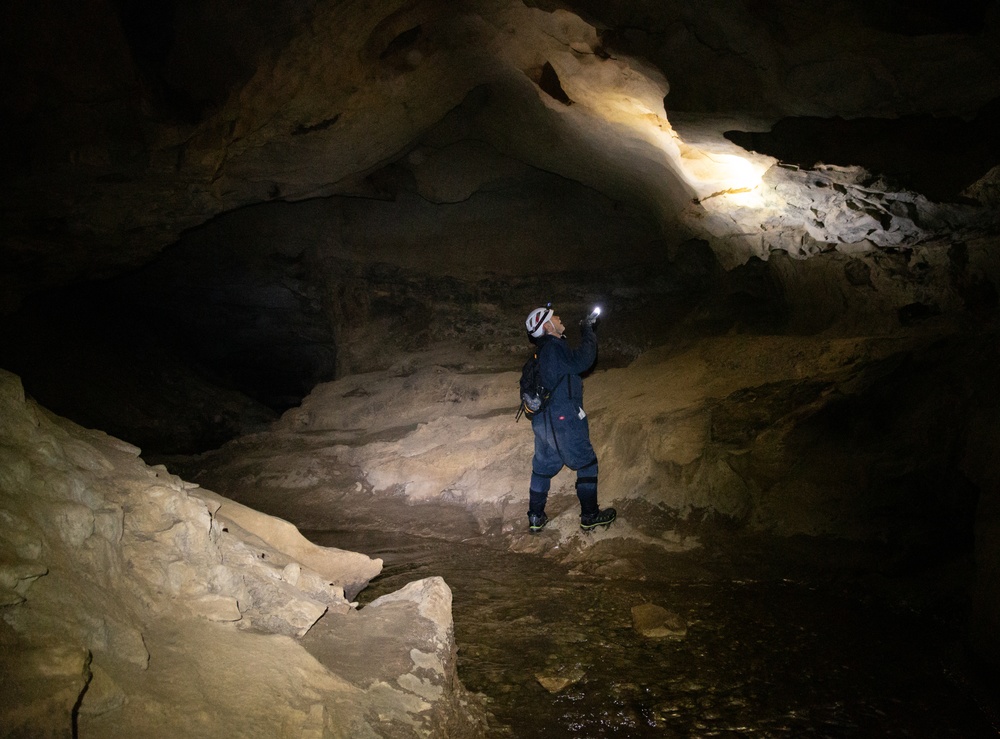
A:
[534,396]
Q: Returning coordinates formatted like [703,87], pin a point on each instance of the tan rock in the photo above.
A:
[19,575]
[103,694]
[9,597]
[20,533]
[74,522]
[281,609]
[109,523]
[433,598]
[555,682]
[216,608]
[348,570]
[40,688]
[656,622]
[139,572]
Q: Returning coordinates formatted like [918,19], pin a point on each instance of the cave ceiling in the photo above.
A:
[131,123]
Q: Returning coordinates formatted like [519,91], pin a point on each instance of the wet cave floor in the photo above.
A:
[767,656]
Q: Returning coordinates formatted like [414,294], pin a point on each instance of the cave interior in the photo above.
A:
[218,216]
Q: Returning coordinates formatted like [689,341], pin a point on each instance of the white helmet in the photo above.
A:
[536,321]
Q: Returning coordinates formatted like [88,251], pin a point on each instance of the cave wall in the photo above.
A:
[347,283]
[134,122]
[267,301]
[363,91]
[763,61]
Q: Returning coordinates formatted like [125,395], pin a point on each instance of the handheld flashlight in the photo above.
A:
[594,314]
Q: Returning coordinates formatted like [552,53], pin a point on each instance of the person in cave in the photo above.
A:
[562,431]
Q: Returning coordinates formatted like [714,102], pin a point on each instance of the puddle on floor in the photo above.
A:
[760,658]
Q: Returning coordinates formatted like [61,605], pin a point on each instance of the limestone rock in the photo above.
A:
[19,575]
[432,597]
[291,573]
[281,609]
[40,688]
[401,648]
[103,694]
[656,622]
[593,116]
[808,212]
[22,535]
[555,682]
[986,189]
[216,607]
[123,641]
[349,571]
[143,571]
[74,522]
[254,576]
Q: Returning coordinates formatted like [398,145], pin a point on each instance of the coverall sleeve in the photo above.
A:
[582,358]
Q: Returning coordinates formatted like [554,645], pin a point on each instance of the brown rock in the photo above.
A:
[556,682]
[657,622]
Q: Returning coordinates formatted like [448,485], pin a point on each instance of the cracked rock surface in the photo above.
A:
[137,603]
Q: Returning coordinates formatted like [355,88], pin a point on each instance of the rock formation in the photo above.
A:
[321,103]
[135,603]
[312,230]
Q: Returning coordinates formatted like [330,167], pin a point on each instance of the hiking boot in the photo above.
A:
[590,521]
[536,522]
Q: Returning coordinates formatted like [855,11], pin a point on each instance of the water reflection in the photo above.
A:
[760,658]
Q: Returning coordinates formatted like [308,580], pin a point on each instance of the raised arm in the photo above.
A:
[579,360]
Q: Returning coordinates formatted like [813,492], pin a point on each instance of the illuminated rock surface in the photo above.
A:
[316,103]
[287,248]
[135,603]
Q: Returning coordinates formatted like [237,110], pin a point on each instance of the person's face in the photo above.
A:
[556,325]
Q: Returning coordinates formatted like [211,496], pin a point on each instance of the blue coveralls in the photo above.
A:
[562,433]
